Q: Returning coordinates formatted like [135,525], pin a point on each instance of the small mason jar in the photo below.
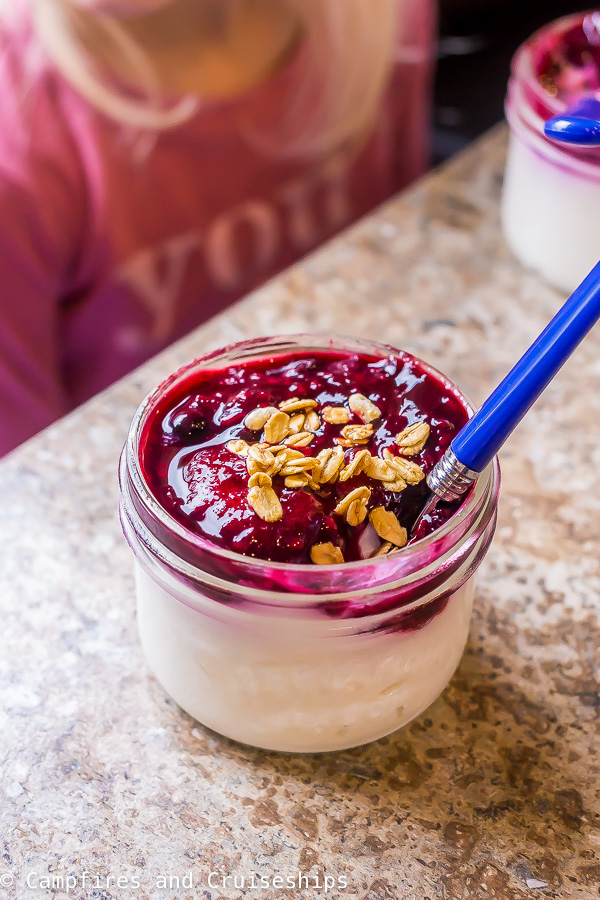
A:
[551,197]
[300,658]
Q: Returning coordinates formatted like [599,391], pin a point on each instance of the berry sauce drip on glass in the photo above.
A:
[204,485]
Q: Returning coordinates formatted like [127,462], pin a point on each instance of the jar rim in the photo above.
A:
[484,490]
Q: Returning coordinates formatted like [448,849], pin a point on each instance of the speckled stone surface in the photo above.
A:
[493,793]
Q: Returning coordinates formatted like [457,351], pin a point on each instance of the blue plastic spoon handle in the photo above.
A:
[573,130]
[478,442]
[580,124]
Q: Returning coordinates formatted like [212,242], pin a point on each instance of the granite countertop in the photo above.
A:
[492,793]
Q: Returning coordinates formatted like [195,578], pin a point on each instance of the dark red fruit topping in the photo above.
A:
[204,485]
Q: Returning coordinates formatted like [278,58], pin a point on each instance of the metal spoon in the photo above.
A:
[479,440]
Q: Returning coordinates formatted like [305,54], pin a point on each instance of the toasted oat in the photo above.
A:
[326,554]
[357,434]
[364,408]
[278,465]
[291,454]
[276,428]
[379,469]
[398,485]
[259,479]
[357,511]
[302,439]
[298,466]
[357,465]
[265,503]
[240,448]
[296,423]
[329,462]
[335,415]
[385,548]
[388,527]
[357,494]
[296,481]
[295,469]
[260,455]
[295,404]
[407,471]
[257,419]
[312,421]
[412,440]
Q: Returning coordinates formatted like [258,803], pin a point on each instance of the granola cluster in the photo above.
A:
[282,451]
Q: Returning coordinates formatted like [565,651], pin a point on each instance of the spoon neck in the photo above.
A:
[449,478]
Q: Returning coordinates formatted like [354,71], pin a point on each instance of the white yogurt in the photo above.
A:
[550,215]
[297,686]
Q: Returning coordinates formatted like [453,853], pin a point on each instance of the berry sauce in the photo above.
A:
[567,62]
[204,485]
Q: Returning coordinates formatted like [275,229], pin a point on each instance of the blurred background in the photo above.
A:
[477,40]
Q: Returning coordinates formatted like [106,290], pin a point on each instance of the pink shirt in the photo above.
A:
[107,256]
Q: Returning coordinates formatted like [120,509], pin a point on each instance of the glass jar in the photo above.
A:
[300,657]
[551,196]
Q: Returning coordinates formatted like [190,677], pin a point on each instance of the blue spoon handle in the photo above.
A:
[480,439]
[579,125]
[573,130]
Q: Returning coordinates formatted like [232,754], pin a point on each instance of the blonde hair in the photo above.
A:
[350,46]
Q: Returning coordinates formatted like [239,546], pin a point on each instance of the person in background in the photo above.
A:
[160,158]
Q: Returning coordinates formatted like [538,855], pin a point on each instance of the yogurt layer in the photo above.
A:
[298,686]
